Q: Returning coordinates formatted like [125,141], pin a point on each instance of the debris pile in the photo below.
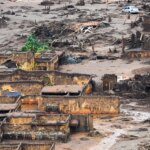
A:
[135,40]
[53,30]
[70,59]
[146,6]
[138,87]
[136,23]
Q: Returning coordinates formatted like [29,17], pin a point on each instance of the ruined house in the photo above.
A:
[24,60]
[47,61]
[71,104]
[17,88]
[33,127]
[54,105]
[30,61]
[27,146]
[146,23]
[7,105]
[136,87]
[3,58]
[73,89]
[36,127]
[54,82]
[109,81]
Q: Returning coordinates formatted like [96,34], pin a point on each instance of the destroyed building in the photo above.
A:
[139,46]
[27,146]
[146,23]
[73,104]
[109,81]
[50,103]
[72,87]
[39,127]
[20,88]
[30,61]
[54,82]
[137,87]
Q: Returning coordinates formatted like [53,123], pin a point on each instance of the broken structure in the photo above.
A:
[27,146]
[62,108]
[73,105]
[146,23]
[50,82]
[109,81]
[35,127]
[17,88]
[137,54]
[30,61]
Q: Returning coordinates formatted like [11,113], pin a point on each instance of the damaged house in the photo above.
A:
[30,61]
[51,105]
[35,127]
[146,23]
[109,81]
[27,146]
[54,82]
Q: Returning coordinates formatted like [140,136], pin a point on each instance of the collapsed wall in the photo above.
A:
[146,23]
[75,105]
[137,87]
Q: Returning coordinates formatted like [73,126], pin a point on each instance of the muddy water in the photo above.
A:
[108,142]
[137,116]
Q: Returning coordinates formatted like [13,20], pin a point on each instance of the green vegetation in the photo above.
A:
[34,44]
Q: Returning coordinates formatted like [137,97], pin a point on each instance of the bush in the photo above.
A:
[33,44]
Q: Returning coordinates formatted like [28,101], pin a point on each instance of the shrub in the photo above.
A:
[33,44]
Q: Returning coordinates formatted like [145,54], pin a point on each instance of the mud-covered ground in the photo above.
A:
[130,130]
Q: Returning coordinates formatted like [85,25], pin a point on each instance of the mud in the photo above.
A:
[98,39]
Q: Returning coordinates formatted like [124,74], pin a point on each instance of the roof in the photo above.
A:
[62,89]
